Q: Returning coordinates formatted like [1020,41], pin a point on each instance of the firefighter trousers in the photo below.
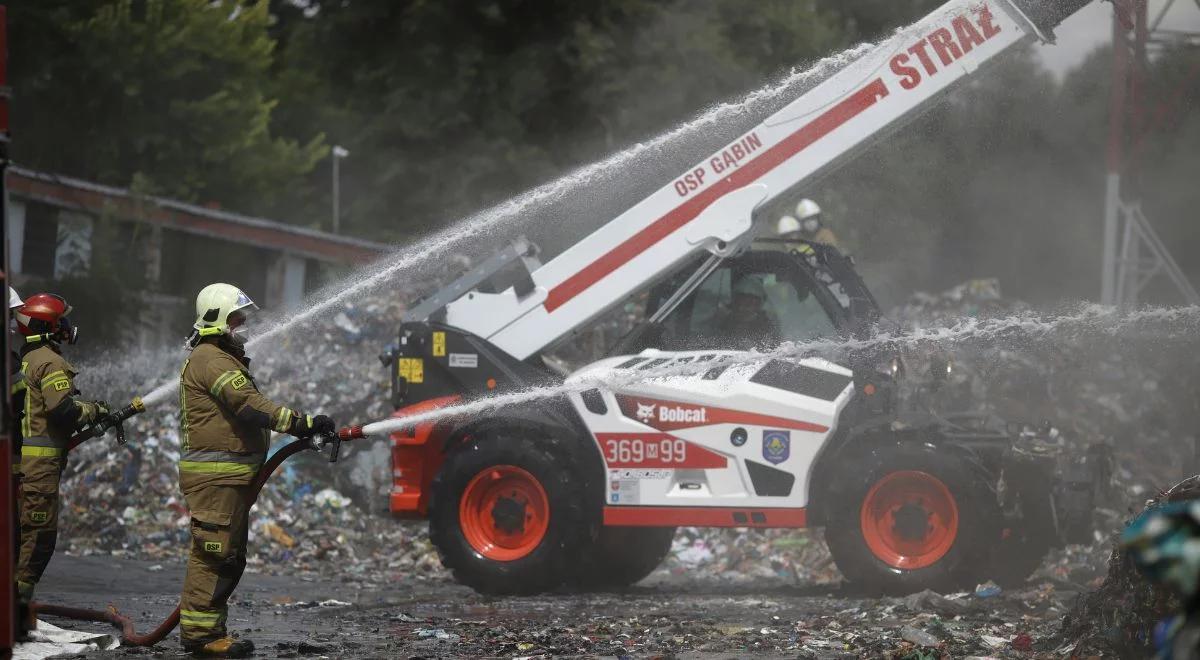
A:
[220,525]
[39,515]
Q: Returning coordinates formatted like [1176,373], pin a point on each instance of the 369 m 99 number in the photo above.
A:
[636,451]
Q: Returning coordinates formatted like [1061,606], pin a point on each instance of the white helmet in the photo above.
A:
[806,208]
[786,226]
[214,304]
[14,299]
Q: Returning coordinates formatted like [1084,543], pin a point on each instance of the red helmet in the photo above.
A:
[45,315]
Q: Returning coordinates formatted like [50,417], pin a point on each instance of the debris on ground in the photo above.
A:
[1121,616]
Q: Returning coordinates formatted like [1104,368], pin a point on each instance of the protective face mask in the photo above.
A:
[238,335]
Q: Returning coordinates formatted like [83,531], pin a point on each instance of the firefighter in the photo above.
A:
[51,415]
[806,224]
[745,324]
[225,428]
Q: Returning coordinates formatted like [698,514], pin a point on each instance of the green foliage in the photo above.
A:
[171,91]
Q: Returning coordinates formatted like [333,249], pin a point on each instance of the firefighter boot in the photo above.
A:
[225,647]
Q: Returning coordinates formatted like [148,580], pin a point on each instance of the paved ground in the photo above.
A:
[683,616]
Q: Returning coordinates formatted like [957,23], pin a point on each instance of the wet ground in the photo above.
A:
[669,615]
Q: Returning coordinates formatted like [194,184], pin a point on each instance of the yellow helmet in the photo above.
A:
[215,303]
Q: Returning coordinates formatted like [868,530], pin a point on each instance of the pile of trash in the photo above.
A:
[1151,591]
[738,556]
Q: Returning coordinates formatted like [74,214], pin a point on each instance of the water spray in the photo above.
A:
[1097,317]
[519,207]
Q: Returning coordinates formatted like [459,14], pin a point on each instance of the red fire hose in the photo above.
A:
[121,622]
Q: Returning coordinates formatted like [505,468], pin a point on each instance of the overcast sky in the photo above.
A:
[1092,27]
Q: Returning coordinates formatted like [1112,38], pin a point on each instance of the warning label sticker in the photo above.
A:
[412,369]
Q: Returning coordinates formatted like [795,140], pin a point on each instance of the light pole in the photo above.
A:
[339,152]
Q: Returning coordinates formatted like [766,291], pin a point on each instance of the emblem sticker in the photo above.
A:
[38,516]
[212,546]
[645,411]
[464,360]
[623,490]
[238,382]
[777,445]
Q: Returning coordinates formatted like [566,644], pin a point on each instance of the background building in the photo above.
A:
[131,264]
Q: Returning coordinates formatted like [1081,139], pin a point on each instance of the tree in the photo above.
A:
[172,92]
[449,106]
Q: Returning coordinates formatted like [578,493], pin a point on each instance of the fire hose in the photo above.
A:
[114,616]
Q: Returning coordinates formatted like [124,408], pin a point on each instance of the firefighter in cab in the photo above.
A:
[225,430]
[806,225]
[51,413]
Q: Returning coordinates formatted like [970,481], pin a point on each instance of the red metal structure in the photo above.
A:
[8,455]
[1133,252]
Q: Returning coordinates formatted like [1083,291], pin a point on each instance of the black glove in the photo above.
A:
[306,426]
[323,424]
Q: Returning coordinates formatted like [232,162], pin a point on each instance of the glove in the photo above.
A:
[306,426]
[93,412]
[323,424]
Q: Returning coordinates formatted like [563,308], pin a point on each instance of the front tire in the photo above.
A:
[912,517]
[506,515]
[624,556]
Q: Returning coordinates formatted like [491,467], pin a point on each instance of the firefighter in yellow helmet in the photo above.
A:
[225,427]
[50,415]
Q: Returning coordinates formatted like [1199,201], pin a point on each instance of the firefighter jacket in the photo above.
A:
[51,413]
[225,423]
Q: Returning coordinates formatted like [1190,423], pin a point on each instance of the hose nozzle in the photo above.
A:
[354,432]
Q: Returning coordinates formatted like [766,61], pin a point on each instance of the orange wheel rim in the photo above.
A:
[909,519]
[504,513]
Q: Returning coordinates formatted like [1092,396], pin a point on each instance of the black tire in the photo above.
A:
[961,563]
[567,530]
[1028,534]
[624,556]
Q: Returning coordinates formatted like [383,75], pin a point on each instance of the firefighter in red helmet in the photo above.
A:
[52,413]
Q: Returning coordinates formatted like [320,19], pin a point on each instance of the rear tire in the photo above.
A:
[624,556]
[1029,533]
[505,514]
[911,517]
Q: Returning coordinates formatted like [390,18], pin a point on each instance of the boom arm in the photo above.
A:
[711,206]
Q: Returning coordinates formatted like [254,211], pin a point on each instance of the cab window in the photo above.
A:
[741,309]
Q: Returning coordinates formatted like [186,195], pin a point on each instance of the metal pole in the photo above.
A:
[1112,193]
[337,211]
